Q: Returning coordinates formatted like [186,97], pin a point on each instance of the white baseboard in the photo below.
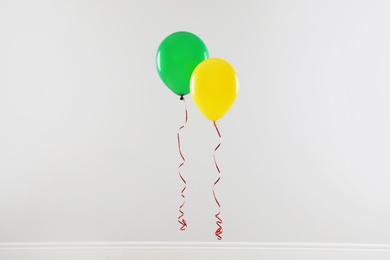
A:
[192,251]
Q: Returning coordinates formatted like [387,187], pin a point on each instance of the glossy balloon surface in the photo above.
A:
[214,88]
[177,57]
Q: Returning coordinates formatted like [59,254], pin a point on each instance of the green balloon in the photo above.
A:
[177,57]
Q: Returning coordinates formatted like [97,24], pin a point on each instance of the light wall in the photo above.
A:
[88,146]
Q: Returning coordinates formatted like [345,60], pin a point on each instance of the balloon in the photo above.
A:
[177,57]
[214,88]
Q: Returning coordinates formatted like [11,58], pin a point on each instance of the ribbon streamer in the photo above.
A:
[219,230]
[181,219]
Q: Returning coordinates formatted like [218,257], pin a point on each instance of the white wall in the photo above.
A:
[88,131]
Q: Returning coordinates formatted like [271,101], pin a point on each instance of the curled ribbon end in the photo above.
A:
[218,234]
[183,224]
[219,230]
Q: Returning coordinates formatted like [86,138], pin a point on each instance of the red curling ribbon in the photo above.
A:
[180,219]
[219,230]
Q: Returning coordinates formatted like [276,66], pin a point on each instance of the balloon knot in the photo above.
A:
[215,123]
[181,97]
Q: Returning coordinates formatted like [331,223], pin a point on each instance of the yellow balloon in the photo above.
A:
[214,87]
